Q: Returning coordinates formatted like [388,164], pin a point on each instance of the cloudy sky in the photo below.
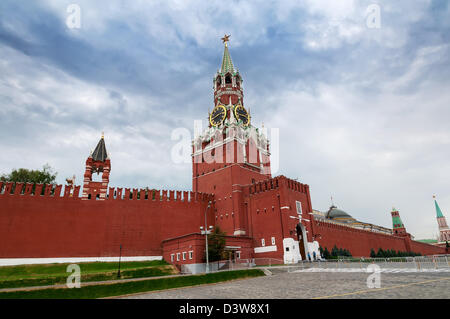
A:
[362,105]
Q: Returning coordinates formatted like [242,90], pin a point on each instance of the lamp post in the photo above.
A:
[206,238]
[120,257]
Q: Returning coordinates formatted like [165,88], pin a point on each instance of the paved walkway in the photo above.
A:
[382,270]
[294,285]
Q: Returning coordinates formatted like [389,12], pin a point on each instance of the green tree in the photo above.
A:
[388,254]
[334,251]
[216,244]
[380,253]
[23,175]
[372,253]
[326,253]
[347,253]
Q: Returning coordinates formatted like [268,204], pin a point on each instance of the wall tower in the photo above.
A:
[397,224]
[231,152]
[444,231]
[97,162]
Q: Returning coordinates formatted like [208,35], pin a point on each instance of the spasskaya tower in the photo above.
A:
[231,152]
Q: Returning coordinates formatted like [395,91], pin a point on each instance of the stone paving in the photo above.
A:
[293,285]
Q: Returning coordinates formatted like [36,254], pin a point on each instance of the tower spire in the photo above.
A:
[228,88]
[227,64]
[444,230]
[100,153]
[438,209]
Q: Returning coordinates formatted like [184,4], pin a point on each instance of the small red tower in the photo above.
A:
[97,162]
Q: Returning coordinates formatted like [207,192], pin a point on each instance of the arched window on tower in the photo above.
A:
[219,81]
[228,79]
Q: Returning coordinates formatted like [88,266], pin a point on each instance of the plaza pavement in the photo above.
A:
[309,284]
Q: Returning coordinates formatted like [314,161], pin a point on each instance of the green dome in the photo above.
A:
[334,213]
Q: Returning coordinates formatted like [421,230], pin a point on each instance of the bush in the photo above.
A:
[335,252]
[391,253]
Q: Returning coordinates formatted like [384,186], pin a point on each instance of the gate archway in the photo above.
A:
[302,240]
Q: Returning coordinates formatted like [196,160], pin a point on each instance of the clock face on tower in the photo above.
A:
[241,114]
[218,115]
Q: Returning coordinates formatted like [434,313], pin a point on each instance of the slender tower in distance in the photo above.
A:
[444,231]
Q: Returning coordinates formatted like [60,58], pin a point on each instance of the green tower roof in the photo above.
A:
[227,64]
[396,220]
[438,210]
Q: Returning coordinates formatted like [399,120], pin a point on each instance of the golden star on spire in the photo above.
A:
[226,38]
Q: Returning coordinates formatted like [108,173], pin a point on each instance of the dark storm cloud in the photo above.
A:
[131,65]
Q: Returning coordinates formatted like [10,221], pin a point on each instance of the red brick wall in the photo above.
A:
[196,244]
[53,226]
[271,206]
[427,249]
[359,242]
[225,184]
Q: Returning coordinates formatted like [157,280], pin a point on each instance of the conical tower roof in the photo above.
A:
[100,153]
[227,64]
[438,210]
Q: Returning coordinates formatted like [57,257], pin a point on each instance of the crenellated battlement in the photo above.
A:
[156,194]
[69,192]
[275,183]
[264,186]
[38,190]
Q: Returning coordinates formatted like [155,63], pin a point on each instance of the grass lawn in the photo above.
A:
[51,274]
[108,290]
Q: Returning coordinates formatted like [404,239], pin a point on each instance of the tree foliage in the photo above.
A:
[216,244]
[23,175]
[326,253]
[389,253]
[335,252]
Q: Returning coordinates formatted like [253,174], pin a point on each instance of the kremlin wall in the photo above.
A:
[262,216]
[163,223]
